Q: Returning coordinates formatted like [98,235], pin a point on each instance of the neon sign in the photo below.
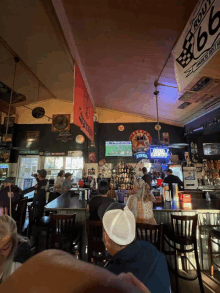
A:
[159,153]
[141,156]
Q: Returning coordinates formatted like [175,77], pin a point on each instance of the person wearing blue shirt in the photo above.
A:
[140,258]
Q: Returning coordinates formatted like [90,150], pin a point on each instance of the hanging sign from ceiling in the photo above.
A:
[83,108]
[141,140]
[198,43]
[159,153]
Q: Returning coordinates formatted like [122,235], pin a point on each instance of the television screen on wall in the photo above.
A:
[118,149]
[211,149]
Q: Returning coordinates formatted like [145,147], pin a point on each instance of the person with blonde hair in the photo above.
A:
[9,239]
[141,203]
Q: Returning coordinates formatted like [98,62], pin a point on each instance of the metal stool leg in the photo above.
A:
[198,269]
[211,268]
[176,269]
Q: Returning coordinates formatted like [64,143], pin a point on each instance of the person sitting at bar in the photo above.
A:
[140,258]
[140,203]
[59,181]
[98,200]
[9,190]
[147,178]
[170,179]
[58,271]
[9,240]
[67,183]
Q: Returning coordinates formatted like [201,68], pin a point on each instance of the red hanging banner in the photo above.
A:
[83,110]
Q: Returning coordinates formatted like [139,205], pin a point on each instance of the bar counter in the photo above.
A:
[208,216]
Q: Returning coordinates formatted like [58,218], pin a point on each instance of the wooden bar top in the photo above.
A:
[68,200]
[195,205]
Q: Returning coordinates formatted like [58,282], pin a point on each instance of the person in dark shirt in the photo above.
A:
[147,178]
[39,189]
[170,179]
[9,190]
[140,258]
[98,200]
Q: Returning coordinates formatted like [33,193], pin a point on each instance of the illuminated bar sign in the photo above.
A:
[141,156]
[159,153]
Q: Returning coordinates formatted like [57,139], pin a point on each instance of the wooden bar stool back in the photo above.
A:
[183,236]
[150,233]
[96,247]
[62,231]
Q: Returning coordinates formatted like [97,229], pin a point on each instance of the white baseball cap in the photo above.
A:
[120,225]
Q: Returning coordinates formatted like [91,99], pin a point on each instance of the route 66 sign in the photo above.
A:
[199,41]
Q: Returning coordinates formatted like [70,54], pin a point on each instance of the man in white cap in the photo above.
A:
[130,255]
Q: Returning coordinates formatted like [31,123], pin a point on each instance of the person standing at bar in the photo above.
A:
[67,184]
[147,178]
[59,181]
[170,179]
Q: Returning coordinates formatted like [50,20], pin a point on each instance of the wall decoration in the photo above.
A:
[4,156]
[61,122]
[91,172]
[157,127]
[141,140]
[165,137]
[102,162]
[38,112]
[65,136]
[83,107]
[75,153]
[92,157]
[105,170]
[32,136]
[92,144]
[11,121]
[8,139]
[28,152]
[80,139]
[121,128]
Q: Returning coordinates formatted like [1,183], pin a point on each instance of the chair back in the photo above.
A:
[150,233]
[62,228]
[111,194]
[35,213]
[184,225]
[21,213]
[96,247]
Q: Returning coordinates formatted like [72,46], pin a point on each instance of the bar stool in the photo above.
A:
[182,232]
[213,234]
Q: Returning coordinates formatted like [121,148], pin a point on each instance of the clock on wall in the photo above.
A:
[61,122]
[80,139]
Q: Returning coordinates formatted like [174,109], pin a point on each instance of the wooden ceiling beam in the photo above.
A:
[4,108]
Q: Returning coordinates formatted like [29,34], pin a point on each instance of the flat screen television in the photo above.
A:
[118,149]
[211,149]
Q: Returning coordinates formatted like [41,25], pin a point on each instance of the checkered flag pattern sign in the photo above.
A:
[187,54]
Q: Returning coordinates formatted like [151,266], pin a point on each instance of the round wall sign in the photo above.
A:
[157,127]
[121,127]
[80,139]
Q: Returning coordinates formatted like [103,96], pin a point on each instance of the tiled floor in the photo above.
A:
[210,285]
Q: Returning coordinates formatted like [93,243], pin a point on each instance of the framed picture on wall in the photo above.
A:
[92,157]
[32,136]
[91,172]
[10,122]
